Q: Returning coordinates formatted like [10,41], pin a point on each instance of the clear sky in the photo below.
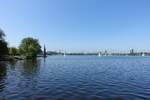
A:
[78,25]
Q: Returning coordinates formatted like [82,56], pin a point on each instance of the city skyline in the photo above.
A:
[78,25]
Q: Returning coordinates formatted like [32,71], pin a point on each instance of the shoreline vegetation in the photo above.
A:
[29,48]
[11,58]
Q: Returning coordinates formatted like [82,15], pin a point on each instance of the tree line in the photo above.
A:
[28,48]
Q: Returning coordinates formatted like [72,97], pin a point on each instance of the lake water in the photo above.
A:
[76,78]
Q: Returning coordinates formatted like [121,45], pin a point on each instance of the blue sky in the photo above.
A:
[78,25]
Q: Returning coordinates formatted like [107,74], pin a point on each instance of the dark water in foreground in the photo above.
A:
[76,78]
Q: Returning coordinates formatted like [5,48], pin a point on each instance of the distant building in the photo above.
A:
[59,51]
[131,51]
[105,53]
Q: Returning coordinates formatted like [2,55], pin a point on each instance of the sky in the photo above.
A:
[78,25]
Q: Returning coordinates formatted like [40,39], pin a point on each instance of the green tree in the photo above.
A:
[13,51]
[29,47]
[3,44]
[2,34]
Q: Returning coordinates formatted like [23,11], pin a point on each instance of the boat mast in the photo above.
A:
[44,51]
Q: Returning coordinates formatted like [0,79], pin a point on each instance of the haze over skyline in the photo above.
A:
[78,25]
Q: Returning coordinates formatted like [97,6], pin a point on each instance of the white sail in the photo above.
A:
[64,54]
[143,54]
[99,54]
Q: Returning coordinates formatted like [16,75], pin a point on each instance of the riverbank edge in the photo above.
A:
[11,58]
[16,58]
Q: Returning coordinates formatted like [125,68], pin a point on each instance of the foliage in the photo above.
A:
[2,34]
[3,48]
[3,44]
[29,47]
[13,51]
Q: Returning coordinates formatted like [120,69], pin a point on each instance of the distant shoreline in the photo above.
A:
[17,58]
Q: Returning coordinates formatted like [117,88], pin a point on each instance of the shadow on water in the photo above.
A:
[3,72]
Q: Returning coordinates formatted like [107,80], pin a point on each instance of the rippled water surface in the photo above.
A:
[76,78]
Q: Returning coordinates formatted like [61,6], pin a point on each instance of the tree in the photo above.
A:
[13,51]
[3,44]
[2,34]
[29,47]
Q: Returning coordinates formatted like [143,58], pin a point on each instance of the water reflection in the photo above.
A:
[3,72]
[31,67]
[76,78]
[12,65]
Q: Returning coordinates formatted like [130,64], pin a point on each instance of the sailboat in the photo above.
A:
[143,54]
[99,54]
[64,54]
[44,54]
